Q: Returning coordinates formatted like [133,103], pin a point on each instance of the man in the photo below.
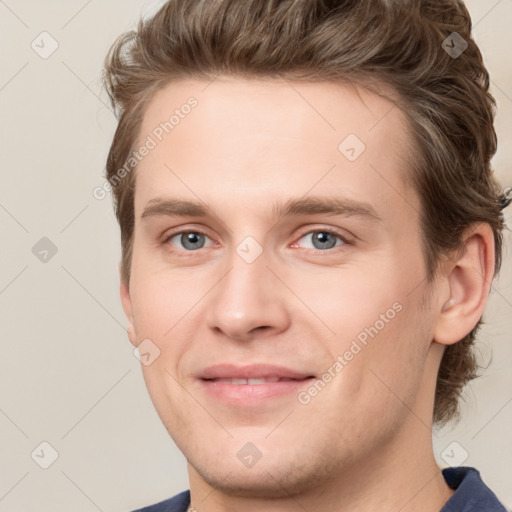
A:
[310,227]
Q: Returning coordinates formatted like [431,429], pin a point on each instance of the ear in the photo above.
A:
[468,277]
[126,301]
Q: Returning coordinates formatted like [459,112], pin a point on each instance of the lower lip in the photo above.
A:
[252,394]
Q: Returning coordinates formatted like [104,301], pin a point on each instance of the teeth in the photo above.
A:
[262,380]
[238,381]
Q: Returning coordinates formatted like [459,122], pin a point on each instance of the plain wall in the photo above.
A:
[68,374]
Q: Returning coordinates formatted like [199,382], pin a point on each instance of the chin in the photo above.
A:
[244,483]
[266,479]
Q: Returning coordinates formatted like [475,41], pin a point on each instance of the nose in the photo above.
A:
[249,302]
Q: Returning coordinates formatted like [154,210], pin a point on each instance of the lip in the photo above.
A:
[251,394]
[252,371]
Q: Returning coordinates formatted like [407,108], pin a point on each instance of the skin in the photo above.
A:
[364,442]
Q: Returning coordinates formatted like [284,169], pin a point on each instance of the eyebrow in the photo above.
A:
[293,207]
[326,206]
[173,208]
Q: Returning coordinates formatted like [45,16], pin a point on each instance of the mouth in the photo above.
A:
[257,380]
[267,372]
[252,385]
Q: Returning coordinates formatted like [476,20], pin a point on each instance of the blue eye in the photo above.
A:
[189,240]
[322,240]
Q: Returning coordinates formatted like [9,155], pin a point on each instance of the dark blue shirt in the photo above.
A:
[471,495]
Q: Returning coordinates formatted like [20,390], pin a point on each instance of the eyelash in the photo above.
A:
[329,231]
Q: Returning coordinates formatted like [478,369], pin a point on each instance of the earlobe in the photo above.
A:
[469,279]
[130,331]
[128,310]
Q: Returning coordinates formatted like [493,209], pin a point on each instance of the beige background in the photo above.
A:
[68,375]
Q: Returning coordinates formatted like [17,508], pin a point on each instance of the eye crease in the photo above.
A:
[318,239]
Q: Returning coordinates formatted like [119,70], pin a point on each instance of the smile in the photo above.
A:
[257,380]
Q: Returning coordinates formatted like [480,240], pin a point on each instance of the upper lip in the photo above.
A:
[253,371]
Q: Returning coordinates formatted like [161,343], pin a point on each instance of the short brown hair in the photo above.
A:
[371,43]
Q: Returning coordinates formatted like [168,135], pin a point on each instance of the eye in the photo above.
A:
[321,240]
[189,240]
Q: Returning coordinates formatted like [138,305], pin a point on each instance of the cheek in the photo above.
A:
[167,396]
[396,358]
[351,299]
[382,335]
[161,297]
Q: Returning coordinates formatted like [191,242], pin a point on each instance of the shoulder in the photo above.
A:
[471,494]
[178,503]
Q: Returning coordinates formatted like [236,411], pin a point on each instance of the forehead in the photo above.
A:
[263,136]
[328,109]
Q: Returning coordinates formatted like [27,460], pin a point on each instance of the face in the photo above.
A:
[275,239]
